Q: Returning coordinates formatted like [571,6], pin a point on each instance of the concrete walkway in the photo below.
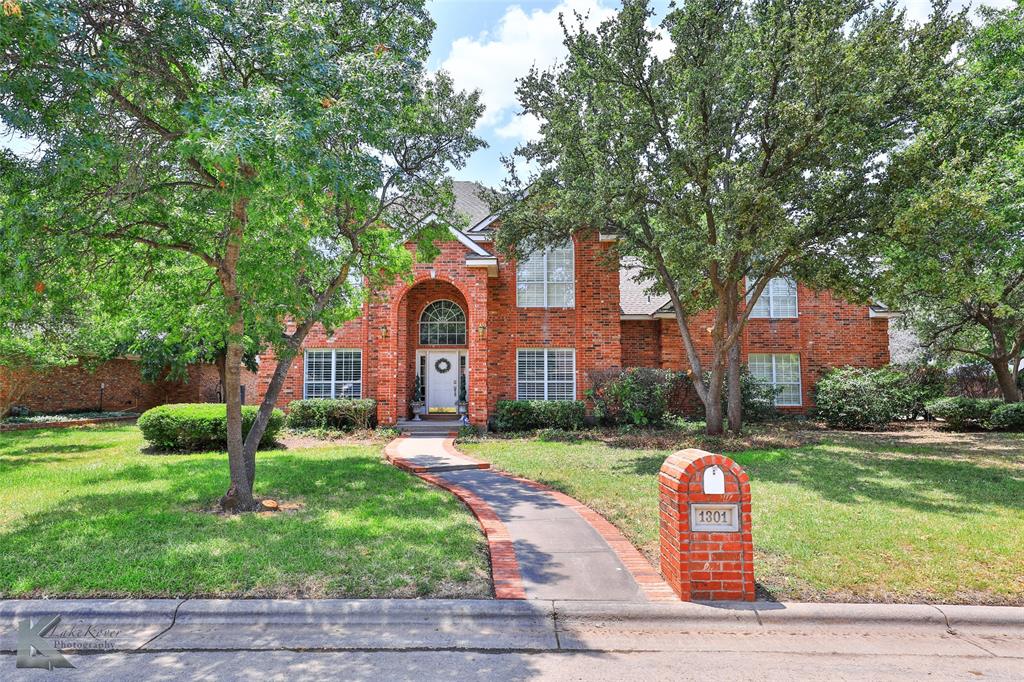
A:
[560,555]
[463,640]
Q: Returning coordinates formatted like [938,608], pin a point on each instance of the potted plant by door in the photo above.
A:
[418,404]
[463,405]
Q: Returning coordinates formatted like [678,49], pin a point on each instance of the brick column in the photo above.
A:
[707,553]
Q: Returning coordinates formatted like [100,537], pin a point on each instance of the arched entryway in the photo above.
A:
[436,352]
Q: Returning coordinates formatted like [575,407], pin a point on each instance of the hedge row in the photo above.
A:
[344,414]
[200,426]
[859,397]
[965,414]
[526,415]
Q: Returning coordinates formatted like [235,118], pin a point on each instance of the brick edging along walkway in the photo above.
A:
[505,571]
[508,581]
[647,577]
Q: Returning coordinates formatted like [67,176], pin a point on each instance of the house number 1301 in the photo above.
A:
[721,518]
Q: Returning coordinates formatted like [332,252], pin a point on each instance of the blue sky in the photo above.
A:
[487,44]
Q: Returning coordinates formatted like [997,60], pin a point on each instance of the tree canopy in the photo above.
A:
[953,258]
[754,148]
[282,153]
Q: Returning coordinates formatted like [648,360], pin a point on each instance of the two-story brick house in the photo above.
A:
[536,329]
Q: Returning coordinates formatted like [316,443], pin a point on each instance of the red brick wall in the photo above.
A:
[350,336]
[592,327]
[641,343]
[77,388]
[203,386]
[388,330]
[829,332]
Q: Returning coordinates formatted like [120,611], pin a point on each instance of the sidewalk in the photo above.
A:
[524,639]
[543,544]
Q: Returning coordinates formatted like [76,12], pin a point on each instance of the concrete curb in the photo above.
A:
[121,624]
[318,611]
[205,625]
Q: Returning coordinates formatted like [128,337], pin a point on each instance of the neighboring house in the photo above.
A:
[537,329]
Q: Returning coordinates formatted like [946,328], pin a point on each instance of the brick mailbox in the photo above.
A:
[707,553]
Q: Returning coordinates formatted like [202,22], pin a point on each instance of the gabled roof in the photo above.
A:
[633,297]
[469,203]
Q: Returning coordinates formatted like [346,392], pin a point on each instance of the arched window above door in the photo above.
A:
[443,323]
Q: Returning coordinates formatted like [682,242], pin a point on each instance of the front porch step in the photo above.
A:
[429,428]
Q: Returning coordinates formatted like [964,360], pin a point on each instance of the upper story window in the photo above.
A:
[547,279]
[777,300]
[443,323]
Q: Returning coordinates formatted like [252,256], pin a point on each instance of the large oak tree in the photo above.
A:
[752,149]
[953,256]
[288,148]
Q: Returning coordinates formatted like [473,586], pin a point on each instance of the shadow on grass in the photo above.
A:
[71,448]
[366,530]
[874,474]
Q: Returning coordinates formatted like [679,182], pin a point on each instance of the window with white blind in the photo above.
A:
[546,374]
[777,300]
[782,371]
[333,374]
[547,279]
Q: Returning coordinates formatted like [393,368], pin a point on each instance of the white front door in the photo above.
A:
[442,381]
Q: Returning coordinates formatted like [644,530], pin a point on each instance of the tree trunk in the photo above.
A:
[239,495]
[1007,382]
[713,404]
[735,390]
[259,427]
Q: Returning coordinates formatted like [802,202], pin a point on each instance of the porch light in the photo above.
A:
[384,331]
[481,330]
[433,273]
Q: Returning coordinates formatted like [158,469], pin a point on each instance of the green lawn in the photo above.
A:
[913,516]
[84,513]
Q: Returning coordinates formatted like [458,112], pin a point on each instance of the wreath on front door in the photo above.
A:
[442,366]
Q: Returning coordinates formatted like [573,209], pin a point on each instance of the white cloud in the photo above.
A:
[520,127]
[492,61]
[920,10]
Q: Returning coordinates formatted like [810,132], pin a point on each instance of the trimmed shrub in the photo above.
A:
[639,396]
[1007,417]
[344,414]
[200,426]
[964,413]
[526,415]
[860,398]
